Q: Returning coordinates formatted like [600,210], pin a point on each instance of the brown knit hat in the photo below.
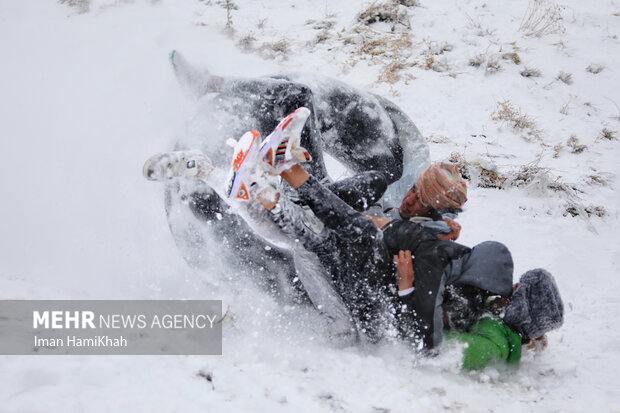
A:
[440,186]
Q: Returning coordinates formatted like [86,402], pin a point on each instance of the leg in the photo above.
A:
[272,100]
[333,212]
[362,190]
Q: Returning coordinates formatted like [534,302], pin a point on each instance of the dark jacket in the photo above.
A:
[420,312]
[484,270]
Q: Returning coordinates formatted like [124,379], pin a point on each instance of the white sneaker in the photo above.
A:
[281,149]
[177,164]
[243,169]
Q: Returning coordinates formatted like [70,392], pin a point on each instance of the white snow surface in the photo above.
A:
[88,95]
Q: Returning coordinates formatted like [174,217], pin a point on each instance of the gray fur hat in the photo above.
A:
[536,306]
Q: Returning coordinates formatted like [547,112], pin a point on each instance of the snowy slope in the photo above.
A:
[87,96]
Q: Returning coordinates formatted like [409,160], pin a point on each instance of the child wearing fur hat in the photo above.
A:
[534,309]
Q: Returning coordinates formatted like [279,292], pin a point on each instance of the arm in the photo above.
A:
[420,312]
[406,276]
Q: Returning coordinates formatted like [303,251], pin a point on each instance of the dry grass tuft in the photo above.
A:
[530,72]
[608,134]
[408,3]
[595,69]
[392,72]
[489,62]
[600,179]
[573,143]
[513,56]
[478,172]
[510,114]
[387,12]
[246,43]
[577,210]
[82,6]
[566,78]
[535,180]
[542,17]
[275,50]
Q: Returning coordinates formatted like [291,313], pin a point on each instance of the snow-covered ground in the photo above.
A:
[88,95]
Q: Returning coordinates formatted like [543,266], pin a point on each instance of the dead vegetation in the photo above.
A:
[392,72]
[530,72]
[534,179]
[382,36]
[477,27]
[512,56]
[229,6]
[542,17]
[574,144]
[512,115]
[608,134]
[246,43]
[82,6]
[596,210]
[595,69]
[278,49]
[484,175]
[566,78]
[598,178]
[386,12]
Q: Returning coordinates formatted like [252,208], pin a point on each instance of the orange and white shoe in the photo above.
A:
[281,149]
[243,172]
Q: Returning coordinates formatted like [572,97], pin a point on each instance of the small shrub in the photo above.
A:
[383,12]
[477,27]
[512,56]
[597,179]
[82,6]
[573,143]
[392,72]
[490,63]
[566,78]
[530,72]
[542,17]
[229,6]
[493,65]
[260,23]
[246,43]
[577,210]
[408,3]
[273,50]
[608,134]
[595,69]
[508,113]
[478,60]
[478,171]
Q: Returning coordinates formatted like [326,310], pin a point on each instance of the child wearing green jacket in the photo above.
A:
[534,309]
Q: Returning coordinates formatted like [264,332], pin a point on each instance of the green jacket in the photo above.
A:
[488,341]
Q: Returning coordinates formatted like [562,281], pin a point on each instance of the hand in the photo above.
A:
[536,344]
[455,230]
[404,266]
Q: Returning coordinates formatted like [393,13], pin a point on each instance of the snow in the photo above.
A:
[87,97]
